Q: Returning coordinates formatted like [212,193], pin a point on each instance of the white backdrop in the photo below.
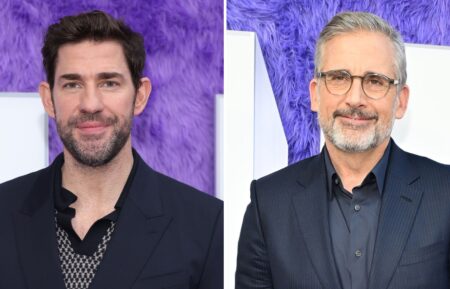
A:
[24,137]
[425,129]
[253,139]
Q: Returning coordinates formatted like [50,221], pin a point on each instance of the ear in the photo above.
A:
[46,97]
[142,95]
[313,94]
[402,105]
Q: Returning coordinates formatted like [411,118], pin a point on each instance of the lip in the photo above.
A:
[91,127]
[355,120]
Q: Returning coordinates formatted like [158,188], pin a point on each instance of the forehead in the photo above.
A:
[91,57]
[359,52]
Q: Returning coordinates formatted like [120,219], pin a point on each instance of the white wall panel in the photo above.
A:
[24,137]
[425,129]
[254,142]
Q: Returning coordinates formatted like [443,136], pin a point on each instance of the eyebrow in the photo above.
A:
[365,72]
[102,75]
[109,75]
[70,76]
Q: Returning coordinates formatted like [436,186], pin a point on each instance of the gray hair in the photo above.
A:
[360,21]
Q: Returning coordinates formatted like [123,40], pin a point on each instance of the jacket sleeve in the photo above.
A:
[253,269]
[212,276]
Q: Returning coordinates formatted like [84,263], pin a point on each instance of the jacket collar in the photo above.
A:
[400,202]
[311,206]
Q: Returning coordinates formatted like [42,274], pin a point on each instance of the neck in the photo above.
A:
[97,188]
[353,167]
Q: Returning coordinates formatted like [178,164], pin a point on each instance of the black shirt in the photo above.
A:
[353,218]
[63,198]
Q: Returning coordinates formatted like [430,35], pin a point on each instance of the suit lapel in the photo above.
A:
[401,199]
[36,236]
[311,207]
[137,233]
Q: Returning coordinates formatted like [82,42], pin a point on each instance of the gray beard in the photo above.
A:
[367,140]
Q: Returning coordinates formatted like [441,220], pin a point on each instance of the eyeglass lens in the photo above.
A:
[340,82]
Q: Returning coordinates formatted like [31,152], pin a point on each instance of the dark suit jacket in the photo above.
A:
[285,239]
[168,235]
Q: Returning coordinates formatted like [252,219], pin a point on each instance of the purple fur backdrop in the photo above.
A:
[184,43]
[287,31]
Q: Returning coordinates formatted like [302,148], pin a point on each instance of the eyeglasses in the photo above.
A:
[374,85]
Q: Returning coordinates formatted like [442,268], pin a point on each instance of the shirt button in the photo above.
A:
[357,207]
[336,181]
[358,253]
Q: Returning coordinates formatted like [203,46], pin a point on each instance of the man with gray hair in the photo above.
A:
[363,213]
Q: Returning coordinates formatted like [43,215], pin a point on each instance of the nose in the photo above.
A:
[91,100]
[355,97]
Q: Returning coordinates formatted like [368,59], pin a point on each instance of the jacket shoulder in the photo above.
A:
[282,183]
[291,173]
[429,163]
[189,196]
[178,199]
[428,167]
[14,191]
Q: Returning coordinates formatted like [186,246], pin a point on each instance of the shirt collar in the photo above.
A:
[63,198]
[379,170]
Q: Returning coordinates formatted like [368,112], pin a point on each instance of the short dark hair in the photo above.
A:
[96,26]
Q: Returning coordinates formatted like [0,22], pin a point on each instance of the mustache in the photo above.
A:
[97,117]
[355,113]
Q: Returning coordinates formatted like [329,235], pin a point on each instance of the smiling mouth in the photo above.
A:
[355,123]
[355,114]
[354,118]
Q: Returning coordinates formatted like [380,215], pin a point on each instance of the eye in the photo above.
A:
[375,80]
[109,84]
[71,85]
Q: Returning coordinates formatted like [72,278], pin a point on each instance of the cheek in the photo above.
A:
[122,107]
[63,109]
[328,104]
[386,115]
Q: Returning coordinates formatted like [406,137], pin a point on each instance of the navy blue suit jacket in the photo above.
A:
[168,235]
[285,239]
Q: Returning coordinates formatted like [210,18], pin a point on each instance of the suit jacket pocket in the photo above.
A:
[413,256]
[172,280]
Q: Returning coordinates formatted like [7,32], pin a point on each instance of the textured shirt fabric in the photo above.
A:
[353,218]
[78,269]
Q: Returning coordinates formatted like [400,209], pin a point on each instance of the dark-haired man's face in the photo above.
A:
[93,101]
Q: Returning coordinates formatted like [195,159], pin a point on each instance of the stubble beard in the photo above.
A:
[91,150]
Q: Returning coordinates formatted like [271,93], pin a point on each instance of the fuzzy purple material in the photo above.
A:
[287,31]
[184,43]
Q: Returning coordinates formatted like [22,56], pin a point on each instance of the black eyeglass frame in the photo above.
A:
[390,81]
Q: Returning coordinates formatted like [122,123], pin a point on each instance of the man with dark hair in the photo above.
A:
[363,214]
[98,216]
